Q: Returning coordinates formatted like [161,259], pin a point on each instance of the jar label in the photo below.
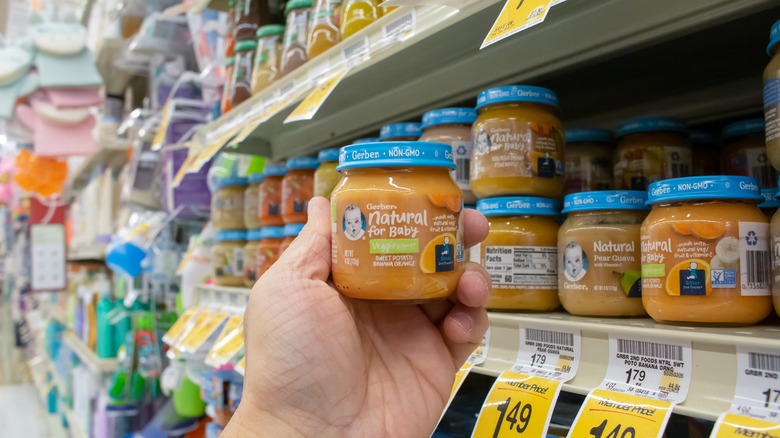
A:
[605,261]
[522,267]
[636,167]
[250,265]
[752,162]
[694,258]
[297,189]
[772,109]
[584,174]
[461,153]
[270,200]
[266,256]
[509,148]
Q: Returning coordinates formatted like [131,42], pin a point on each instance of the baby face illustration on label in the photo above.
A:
[354,223]
[575,262]
[482,142]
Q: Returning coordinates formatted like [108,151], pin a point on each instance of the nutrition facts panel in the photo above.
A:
[534,267]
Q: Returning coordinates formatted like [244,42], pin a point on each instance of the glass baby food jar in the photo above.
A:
[242,72]
[298,189]
[649,150]
[705,147]
[357,14]
[251,249]
[268,56]
[227,204]
[270,199]
[771,203]
[251,201]
[744,152]
[295,35]
[291,231]
[705,252]
[521,252]
[518,143]
[400,132]
[397,233]
[774,232]
[589,155]
[326,176]
[600,255]
[227,257]
[772,97]
[268,250]
[452,126]
[324,31]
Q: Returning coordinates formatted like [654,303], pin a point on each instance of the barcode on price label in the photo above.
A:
[552,353]
[549,337]
[357,52]
[650,349]
[758,383]
[766,362]
[400,29]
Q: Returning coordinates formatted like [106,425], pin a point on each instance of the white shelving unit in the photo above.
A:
[87,356]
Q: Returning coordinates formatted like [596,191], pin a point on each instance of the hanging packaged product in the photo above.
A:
[452,126]
[298,189]
[227,88]
[744,152]
[270,200]
[324,31]
[227,204]
[399,132]
[190,317]
[705,252]
[705,147]
[252,201]
[649,150]
[397,232]
[268,251]
[295,35]
[326,176]
[772,97]
[268,56]
[291,231]
[251,249]
[599,252]
[230,40]
[518,143]
[228,257]
[242,72]
[228,343]
[589,155]
[247,21]
[357,14]
[521,252]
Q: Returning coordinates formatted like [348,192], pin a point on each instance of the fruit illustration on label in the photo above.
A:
[453,202]
[708,230]
[631,282]
[726,253]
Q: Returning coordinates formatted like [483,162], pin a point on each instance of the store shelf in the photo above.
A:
[75,428]
[608,60]
[87,356]
[714,372]
[223,294]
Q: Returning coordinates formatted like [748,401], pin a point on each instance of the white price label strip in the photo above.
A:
[357,53]
[479,356]
[400,28]
[655,368]
[549,353]
[758,383]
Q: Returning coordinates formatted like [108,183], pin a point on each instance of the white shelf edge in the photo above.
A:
[73,424]
[87,356]
[91,252]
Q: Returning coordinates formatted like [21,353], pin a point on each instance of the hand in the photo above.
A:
[320,364]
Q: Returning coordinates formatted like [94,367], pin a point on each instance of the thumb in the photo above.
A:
[309,256]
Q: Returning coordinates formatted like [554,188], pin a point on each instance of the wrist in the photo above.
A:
[251,421]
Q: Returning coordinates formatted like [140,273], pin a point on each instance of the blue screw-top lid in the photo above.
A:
[770,198]
[303,163]
[449,116]
[232,181]
[703,137]
[366,140]
[292,230]
[396,154]
[704,187]
[743,127]
[518,93]
[328,155]
[230,235]
[774,37]
[591,135]
[518,205]
[253,234]
[257,177]
[605,200]
[272,233]
[275,170]
[647,124]
[400,130]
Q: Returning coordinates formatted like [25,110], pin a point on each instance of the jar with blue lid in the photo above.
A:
[706,256]
[772,97]
[270,198]
[589,155]
[227,203]
[252,201]
[452,126]
[745,153]
[521,252]
[227,257]
[651,149]
[326,177]
[518,143]
[400,132]
[599,253]
[396,213]
[705,147]
[251,249]
[298,189]
[772,202]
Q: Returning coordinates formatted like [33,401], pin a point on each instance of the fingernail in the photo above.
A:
[464,321]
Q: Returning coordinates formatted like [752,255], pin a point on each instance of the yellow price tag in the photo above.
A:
[162,129]
[460,377]
[734,425]
[312,103]
[241,366]
[517,404]
[179,326]
[613,414]
[517,16]
[202,331]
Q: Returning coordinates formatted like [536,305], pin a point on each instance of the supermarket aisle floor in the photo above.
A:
[21,413]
